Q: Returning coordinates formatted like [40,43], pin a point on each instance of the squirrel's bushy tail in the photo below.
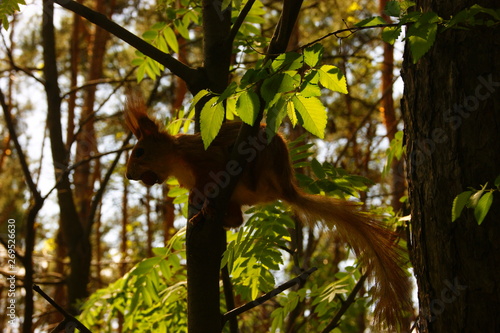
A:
[373,243]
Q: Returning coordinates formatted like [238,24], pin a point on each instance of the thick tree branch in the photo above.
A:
[288,18]
[185,72]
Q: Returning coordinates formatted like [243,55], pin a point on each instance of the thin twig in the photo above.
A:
[345,305]
[268,296]
[350,30]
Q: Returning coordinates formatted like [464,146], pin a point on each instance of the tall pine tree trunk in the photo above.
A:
[451,108]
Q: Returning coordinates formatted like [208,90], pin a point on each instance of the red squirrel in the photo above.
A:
[268,176]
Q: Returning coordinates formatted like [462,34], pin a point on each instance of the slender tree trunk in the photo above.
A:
[451,109]
[71,226]
[149,224]
[123,233]
[398,185]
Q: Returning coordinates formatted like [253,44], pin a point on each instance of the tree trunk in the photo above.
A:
[451,108]
[389,115]
[78,248]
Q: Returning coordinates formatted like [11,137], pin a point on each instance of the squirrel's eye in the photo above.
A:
[139,152]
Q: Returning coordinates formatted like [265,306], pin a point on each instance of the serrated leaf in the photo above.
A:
[458,204]
[277,83]
[482,207]
[211,118]
[248,106]
[391,34]
[313,114]
[392,8]
[288,60]
[371,21]
[313,54]
[275,116]
[202,93]
[422,34]
[332,78]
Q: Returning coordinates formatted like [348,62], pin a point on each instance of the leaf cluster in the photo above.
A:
[423,26]
[150,298]
[289,86]
[478,200]
[7,8]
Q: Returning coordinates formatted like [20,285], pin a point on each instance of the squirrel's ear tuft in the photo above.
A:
[137,119]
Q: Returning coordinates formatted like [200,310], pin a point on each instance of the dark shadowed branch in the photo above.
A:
[69,323]
[185,72]
[233,313]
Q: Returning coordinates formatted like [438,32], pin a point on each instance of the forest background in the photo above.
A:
[83,230]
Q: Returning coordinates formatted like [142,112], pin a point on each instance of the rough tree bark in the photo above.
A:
[451,108]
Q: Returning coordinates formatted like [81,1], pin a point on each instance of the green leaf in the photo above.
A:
[422,34]
[224,5]
[313,54]
[169,35]
[395,150]
[9,7]
[229,91]
[290,111]
[458,204]
[497,181]
[150,35]
[288,60]
[275,115]
[277,83]
[248,106]
[332,78]
[483,206]
[474,199]
[211,118]
[317,168]
[313,114]
[393,9]
[181,28]
[371,21]
[202,93]
[391,34]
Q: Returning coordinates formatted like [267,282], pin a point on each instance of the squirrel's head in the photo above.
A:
[146,161]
